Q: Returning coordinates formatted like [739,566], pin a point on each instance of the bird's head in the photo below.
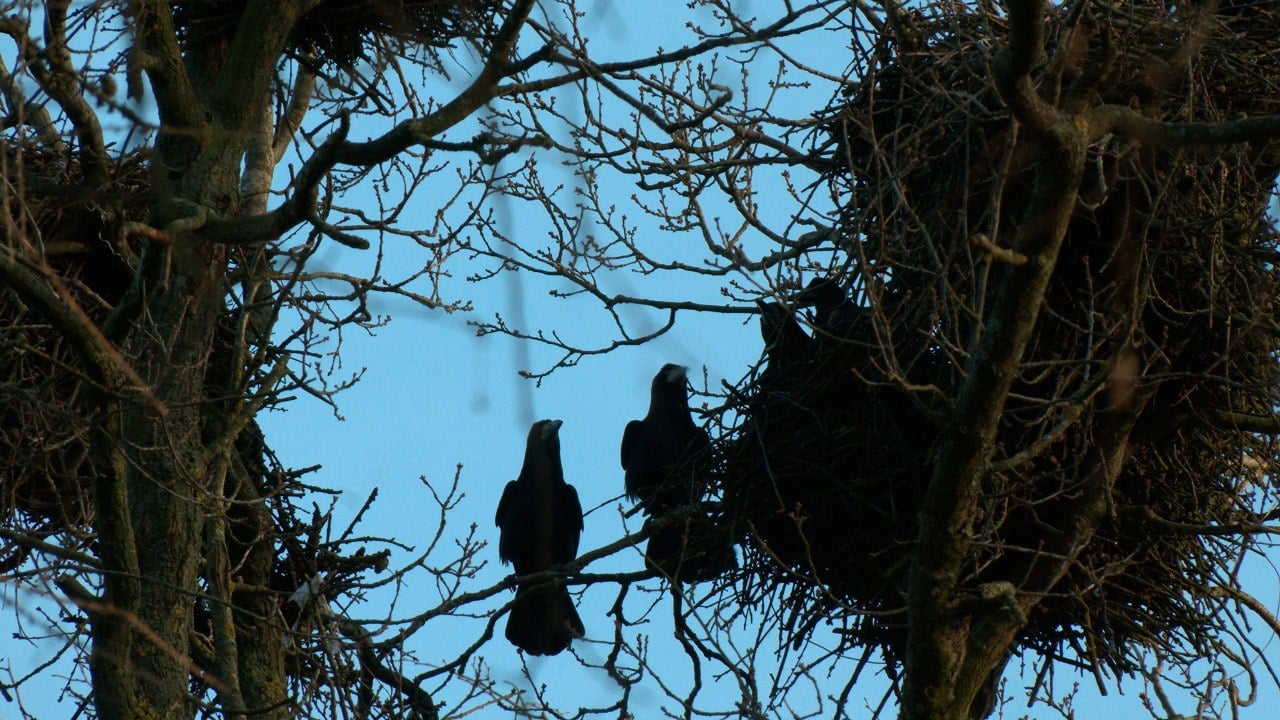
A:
[544,444]
[670,383]
[773,318]
[671,374]
[545,430]
[822,293]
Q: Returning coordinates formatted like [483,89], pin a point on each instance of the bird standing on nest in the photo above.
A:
[835,315]
[786,344]
[665,457]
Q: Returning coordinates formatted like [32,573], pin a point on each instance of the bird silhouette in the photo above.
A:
[666,458]
[540,520]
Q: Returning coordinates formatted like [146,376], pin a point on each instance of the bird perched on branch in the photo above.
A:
[540,520]
[666,457]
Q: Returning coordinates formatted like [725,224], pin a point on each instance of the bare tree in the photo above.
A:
[1024,404]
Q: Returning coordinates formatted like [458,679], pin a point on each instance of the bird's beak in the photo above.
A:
[677,373]
[551,429]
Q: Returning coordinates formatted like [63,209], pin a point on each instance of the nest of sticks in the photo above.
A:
[346,31]
[1162,304]
[86,241]
[82,241]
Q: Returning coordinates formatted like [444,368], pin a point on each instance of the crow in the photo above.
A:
[658,452]
[835,315]
[786,344]
[689,547]
[540,520]
[665,457]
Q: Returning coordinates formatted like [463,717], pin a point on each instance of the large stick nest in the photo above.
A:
[48,402]
[80,239]
[344,31]
[1162,304]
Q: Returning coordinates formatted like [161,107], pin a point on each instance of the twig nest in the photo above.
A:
[1158,323]
[344,31]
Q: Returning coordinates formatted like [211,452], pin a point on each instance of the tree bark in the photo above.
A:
[946,669]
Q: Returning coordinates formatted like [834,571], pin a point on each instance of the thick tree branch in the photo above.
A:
[304,88]
[118,550]
[1014,62]
[1004,255]
[48,548]
[300,206]
[259,166]
[424,707]
[250,67]
[1145,514]
[157,41]
[336,150]
[1249,601]
[1241,422]
[89,603]
[935,649]
[1126,121]
[33,115]
[297,207]
[244,413]
[226,655]
[422,130]
[899,22]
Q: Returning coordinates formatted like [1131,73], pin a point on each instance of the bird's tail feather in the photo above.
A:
[690,549]
[543,620]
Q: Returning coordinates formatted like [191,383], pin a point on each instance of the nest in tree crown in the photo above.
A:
[343,31]
[1162,305]
[44,434]
[46,399]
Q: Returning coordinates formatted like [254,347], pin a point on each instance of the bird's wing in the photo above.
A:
[568,524]
[505,503]
[630,438]
[504,519]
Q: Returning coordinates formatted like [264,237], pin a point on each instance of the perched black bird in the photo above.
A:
[659,452]
[541,519]
[665,457]
[835,315]
[786,344]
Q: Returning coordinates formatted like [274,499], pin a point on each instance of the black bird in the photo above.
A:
[690,548]
[540,519]
[665,457]
[835,315]
[786,344]
[658,452]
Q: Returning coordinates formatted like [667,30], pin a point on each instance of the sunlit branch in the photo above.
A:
[1131,123]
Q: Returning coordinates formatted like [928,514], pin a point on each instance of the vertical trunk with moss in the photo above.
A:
[163,485]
